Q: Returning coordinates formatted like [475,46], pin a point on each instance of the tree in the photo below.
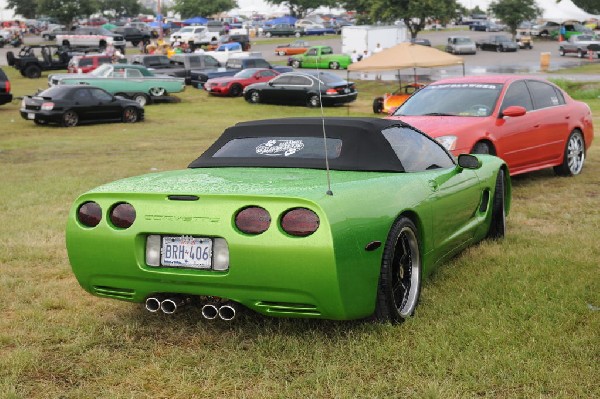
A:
[121,8]
[66,10]
[300,8]
[414,13]
[26,8]
[362,8]
[513,12]
[591,6]
[194,8]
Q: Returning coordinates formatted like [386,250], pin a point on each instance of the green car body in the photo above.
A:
[123,78]
[333,273]
[320,57]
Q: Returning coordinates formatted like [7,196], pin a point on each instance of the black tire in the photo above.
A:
[579,53]
[561,51]
[33,71]
[236,90]
[482,148]
[334,65]
[135,43]
[499,49]
[253,96]
[130,115]
[378,105]
[140,98]
[313,101]
[70,118]
[573,157]
[281,52]
[399,285]
[498,223]
[296,64]
[10,58]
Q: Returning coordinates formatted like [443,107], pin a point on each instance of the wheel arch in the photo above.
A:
[507,189]
[488,142]
[418,222]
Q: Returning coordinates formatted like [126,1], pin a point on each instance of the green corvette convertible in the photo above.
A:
[336,218]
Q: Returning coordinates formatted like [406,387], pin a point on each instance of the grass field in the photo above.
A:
[518,318]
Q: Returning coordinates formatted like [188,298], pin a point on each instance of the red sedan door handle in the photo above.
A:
[568,117]
[536,126]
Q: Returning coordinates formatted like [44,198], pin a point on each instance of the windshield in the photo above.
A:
[186,29]
[462,40]
[457,99]
[102,70]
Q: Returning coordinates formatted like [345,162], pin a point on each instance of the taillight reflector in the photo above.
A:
[89,214]
[300,222]
[331,91]
[122,215]
[7,86]
[253,220]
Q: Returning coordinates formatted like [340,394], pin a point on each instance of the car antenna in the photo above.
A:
[329,192]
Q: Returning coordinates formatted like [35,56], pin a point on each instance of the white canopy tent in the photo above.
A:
[565,10]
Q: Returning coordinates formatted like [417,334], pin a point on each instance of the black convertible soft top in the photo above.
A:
[353,144]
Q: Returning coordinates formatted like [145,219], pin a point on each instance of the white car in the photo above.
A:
[196,35]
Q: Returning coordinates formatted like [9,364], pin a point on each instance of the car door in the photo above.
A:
[455,194]
[106,107]
[84,104]
[274,91]
[310,58]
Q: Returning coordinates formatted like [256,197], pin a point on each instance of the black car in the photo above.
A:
[133,35]
[302,88]
[71,105]
[5,95]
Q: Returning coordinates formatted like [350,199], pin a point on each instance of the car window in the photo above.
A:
[86,62]
[311,52]
[100,95]
[454,99]
[133,73]
[517,94]
[261,64]
[282,80]
[301,81]
[292,147]
[267,73]
[82,95]
[210,61]
[544,95]
[416,151]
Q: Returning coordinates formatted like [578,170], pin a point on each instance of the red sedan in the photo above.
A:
[529,122]
[234,85]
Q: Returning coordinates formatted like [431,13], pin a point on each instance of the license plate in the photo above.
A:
[186,251]
[30,115]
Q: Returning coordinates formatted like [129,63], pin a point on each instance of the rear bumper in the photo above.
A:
[339,99]
[5,98]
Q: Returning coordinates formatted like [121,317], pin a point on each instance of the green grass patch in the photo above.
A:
[511,319]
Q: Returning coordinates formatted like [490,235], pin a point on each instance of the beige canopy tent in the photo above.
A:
[406,55]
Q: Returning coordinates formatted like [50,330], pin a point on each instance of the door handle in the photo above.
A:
[433,185]
[536,126]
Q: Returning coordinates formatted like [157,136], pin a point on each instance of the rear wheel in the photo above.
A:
[378,105]
[399,285]
[498,224]
[130,115]
[574,156]
[281,52]
[140,98]
[579,53]
[313,101]
[10,58]
[561,52]
[334,65]
[70,118]
[33,71]
[235,90]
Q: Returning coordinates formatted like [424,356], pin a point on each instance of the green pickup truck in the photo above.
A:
[320,57]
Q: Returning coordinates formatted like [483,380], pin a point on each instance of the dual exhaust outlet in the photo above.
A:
[210,311]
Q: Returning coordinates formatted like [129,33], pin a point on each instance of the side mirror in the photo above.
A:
[468,161]
[514,110]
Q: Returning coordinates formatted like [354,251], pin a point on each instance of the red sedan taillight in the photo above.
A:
[253,220]
[7,86]
[122,215]
[300,222]
[89,214]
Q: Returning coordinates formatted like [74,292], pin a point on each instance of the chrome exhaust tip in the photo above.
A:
[210,311]
[153,304]
[228,311]
[171,305]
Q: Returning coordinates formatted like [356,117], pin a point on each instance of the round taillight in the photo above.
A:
[89,214]
[300,222]
[253,220]
[122,215]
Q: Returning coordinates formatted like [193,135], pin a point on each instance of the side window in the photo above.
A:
[560,96]
[261,64]
[312,52]
[517,94]
[301,81]
[211,61]
[100,95]
[417,152]
[86,62]
[267,73]
[133,73]
[283,80]
[544,95]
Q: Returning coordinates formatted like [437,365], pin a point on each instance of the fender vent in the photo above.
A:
[113,292]
[485,200]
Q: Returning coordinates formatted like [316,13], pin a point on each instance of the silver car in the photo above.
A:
[461,45]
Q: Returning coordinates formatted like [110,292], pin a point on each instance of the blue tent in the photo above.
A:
[282,20]
[155,25]
[196,21]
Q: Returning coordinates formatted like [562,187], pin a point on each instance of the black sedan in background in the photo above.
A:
[302,88]
[70,105]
